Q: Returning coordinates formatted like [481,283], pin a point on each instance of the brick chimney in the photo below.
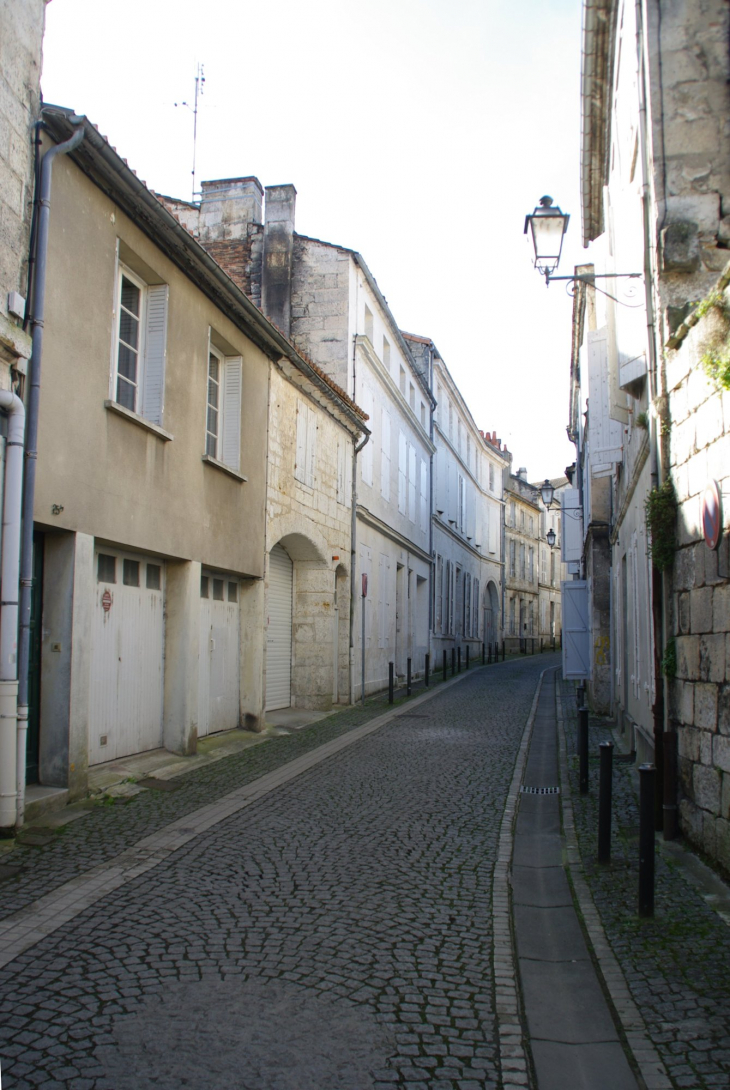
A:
[228,206]
[278,254]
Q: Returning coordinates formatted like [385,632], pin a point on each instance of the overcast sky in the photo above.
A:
[418,132]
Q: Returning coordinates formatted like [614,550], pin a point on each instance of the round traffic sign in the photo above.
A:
[712,515]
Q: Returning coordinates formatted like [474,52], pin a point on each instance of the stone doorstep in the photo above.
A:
[41,801]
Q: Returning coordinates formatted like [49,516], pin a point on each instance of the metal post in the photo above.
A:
[583,749]
[503,650]
[647,776]
[482,652]
[453,661]
[553,644]
[408,677]
[467,658]
[580,693]
[391,670]
[427,670]
[362,688]
[458,659]
[604,802]
[444,673]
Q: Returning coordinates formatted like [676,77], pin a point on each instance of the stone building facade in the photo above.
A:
[521,559]
[552,571]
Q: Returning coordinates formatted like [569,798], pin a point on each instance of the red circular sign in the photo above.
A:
[712,515]
[106,601]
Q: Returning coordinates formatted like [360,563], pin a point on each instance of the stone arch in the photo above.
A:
[300,537]
[491,612]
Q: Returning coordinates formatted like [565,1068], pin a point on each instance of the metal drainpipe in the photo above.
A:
[31,445]
[666,772]
[10,576]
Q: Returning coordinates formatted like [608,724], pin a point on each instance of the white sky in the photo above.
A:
[418,132]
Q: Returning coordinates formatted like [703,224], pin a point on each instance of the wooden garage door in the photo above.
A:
[127,656]
[279,630]
[219,661]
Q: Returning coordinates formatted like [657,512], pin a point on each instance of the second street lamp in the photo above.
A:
[551,538]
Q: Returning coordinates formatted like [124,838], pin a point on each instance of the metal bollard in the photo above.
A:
[390,682]
[604,802]
[583,750]
[482,652]
[408,677]
[458,660]
[647,786]
[444,673]
[580,693]
[453,661]
[503,651]
[467,658]
[427,670]
[489,656]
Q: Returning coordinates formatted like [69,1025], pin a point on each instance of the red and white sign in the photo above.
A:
[712,515]
[106,600]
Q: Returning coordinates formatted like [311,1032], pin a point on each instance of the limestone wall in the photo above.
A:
[700,694]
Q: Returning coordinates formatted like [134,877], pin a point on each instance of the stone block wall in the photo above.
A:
[320,306]
[700,695]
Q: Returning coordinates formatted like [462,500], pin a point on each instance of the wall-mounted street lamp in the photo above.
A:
[547,492]
[547,226]
[551,538]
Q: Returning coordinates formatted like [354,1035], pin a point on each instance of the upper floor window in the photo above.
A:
[138,371]
[306,444]
[369,324]
[402,381]
[412,396]
[512,513]
[491,477]
[386,352]
[223,407]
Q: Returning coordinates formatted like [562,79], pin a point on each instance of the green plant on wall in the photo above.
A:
[715,360]
[661,519]
[669,659]
[642,421]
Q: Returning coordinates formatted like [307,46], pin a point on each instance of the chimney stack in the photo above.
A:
[278,255]
[227,206]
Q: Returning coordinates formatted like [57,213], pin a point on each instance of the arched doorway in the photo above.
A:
[279,629]
[491,613]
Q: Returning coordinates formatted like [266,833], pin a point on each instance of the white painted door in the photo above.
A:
[279,630]
[127,656]
[219,656]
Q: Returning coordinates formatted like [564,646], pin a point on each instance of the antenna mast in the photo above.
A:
[199,87]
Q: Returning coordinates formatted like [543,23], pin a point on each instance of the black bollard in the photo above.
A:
[390,682]
[467,658]
[553,643]
[408,677]
[489,656]
[482,652]
[444,672]
[604,802]
[427,670]
[647,786]
[583,749]
[458,659]
[580,693]
[453,661]
[503,651]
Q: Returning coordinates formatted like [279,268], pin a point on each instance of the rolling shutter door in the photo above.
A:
[279,632]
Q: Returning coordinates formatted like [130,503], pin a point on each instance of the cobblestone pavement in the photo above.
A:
[336,934]
[677,965]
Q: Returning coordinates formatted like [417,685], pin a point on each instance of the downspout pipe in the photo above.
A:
[31,445]
[10,577]
[353,563]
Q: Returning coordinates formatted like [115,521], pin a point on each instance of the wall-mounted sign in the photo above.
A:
[106,601]
[712,515]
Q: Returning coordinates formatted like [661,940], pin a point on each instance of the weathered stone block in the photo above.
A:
[705,748]
[680,247]
[721,752]
[706,788]
[706,706]
[683,621]
[721,609]
[697,470]
[688,744]
[683,440]
[712,658]
[709,839]
[722,840]
[725,796]
[688,658]
[700,605]
[684,569]
[723,708]
[709,422]
[688,522]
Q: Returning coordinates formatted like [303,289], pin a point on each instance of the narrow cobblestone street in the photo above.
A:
[304,918]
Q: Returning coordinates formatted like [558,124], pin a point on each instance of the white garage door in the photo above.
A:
[127,656]
[220,643]
[278,636]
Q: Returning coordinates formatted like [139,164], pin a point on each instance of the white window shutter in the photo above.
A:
[311,445]
[341,458]
[385,454]
[348,474]
[155,350]
[576,659]
[402,472]
[572,526]
[232,387]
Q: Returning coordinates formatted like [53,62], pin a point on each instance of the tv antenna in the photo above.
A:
[199,87]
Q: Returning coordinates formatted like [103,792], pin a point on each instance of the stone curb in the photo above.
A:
[23,929]
[646,1058]
[513,1057]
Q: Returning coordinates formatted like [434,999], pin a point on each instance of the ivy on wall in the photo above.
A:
[661,520]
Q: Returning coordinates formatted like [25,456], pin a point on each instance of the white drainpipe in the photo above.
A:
[10,762]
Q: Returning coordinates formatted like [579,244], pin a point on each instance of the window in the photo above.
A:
[491,477]
[531,526]
[467,604]
[138,371]
[386,353]
[402,381]
[425,505]
[306,443]
[412,513]
[468,452]
[532,565]
[344,471]
[130,573]
[522,561]
[106,569]
[223,408]
[153,577]
[412,396]
[439,592]
[402,473]
[366,458]
[512,616]
[384,601]
[233,592]
[512,549]
[512,513]
[462,504]
[423,415]
[369,324]
[385,454]
[522,519]
[475,614]
[218,585]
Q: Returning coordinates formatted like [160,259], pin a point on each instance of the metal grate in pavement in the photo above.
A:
[539,790]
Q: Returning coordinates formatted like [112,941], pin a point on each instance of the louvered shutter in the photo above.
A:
[576,659]
[311,445]
[232,386]
[402,472]
[155,349]
[300,464]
